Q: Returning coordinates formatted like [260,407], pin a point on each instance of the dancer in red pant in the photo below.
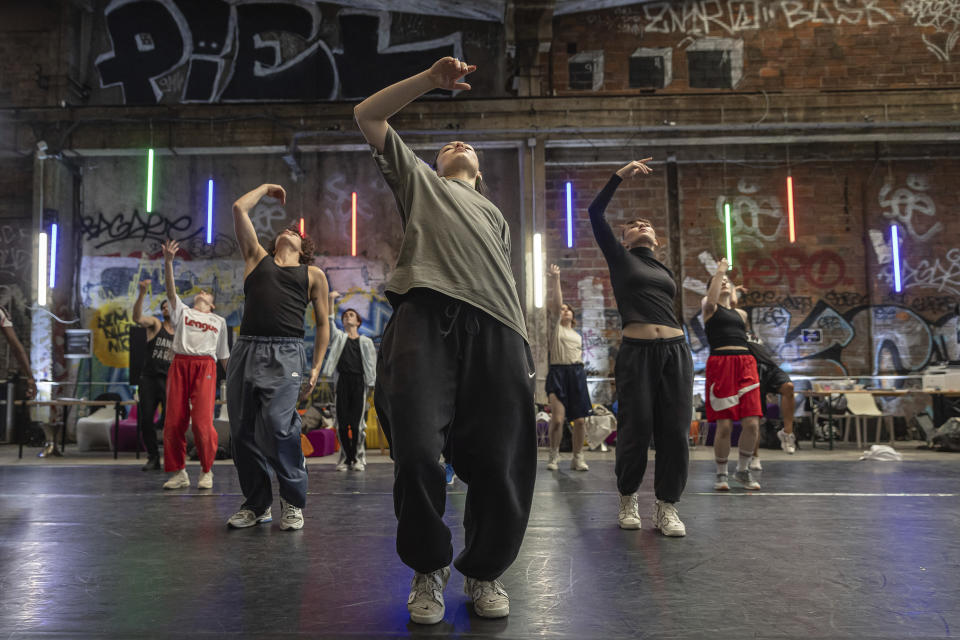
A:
[199,340]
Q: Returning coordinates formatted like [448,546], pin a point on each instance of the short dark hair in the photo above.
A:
[307,248]
[479,184]
[357,313]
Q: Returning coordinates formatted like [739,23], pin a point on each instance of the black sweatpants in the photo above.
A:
[152,391]
[655,397]
[351,398]
[263,386]
[449,373]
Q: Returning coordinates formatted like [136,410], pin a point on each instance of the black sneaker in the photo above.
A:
[153,464]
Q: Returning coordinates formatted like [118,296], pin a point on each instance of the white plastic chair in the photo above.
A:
[860,408]
[94,431]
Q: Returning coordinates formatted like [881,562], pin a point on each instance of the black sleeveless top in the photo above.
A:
[276,298]
[159,354]
[726,328]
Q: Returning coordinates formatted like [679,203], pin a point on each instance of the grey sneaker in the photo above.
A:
[629,516]
[746,479]
[668,520]
[490,599]
[788,441]
[247,518]
[721,484]
[755,464]
[425,602]
[342,466]
[291,517]
[179,480]
[359,466]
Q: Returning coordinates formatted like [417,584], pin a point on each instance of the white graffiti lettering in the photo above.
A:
[910,206]
[753,220]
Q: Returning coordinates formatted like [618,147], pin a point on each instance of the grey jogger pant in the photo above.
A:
[263,386]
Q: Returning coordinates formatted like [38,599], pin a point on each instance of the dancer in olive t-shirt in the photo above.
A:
[454,367]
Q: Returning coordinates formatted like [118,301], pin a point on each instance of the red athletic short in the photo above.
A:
[733,387]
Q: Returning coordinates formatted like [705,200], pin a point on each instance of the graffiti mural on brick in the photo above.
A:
[241,51]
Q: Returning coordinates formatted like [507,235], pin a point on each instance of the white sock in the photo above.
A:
[722,467]
[743,462]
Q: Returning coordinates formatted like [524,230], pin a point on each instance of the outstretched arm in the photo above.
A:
[331,298]
[709,303]
[372,113]
[149,323]
[554,293]
[246,235]
[606,238]
[319,295]
[170,248]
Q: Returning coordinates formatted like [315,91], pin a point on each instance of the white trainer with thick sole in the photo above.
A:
[179,480]
[425,602]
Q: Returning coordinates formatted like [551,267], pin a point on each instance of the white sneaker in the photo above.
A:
[629,516]
[179,480]
[668,520]
[577,463]
[490,599]
[342,466]
[359,466]
[721,484]
[746,479]
[755,464]
[553,461]
[247,518]
[206,480]
[425,602]
[291,517]
[788,441]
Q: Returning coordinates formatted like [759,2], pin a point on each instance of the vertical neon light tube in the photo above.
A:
[149,180]
[790,222]
[210,211]
[42,271]
[537,271]
[301,227]
[895,244]
[353,223]
[569,216]
[726,223]
[53,254]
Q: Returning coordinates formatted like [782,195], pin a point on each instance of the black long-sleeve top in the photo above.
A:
[642,285]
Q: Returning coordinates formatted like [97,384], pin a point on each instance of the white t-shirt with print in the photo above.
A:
[198,333]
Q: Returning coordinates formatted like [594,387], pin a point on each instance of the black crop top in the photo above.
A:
[642,285]
[726,328]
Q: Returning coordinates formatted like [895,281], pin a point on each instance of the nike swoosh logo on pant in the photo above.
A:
[728,402]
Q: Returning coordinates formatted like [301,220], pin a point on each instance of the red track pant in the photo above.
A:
[191,393]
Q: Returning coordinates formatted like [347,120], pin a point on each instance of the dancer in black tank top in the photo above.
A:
[152,386]
[732,385]
[268,365]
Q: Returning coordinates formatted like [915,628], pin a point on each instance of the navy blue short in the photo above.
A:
[569,383]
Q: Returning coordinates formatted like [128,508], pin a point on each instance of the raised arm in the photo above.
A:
[331,297]
[554,293]
[151,324]
[372,113]
[709,303]
[170,248]
[250,247]
[320,297]
[606,238]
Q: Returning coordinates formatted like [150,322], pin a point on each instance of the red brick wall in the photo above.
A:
[30,54]
[830,281]
[797,45]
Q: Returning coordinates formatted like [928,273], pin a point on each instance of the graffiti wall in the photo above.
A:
[121,243]
[826,304]
[754,44]
[153,51]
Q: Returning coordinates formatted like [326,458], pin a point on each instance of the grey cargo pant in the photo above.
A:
[263,386]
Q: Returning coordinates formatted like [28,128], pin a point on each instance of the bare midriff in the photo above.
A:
[731,348]
[646,331]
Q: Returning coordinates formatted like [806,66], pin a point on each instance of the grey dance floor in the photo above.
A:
[828,550]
